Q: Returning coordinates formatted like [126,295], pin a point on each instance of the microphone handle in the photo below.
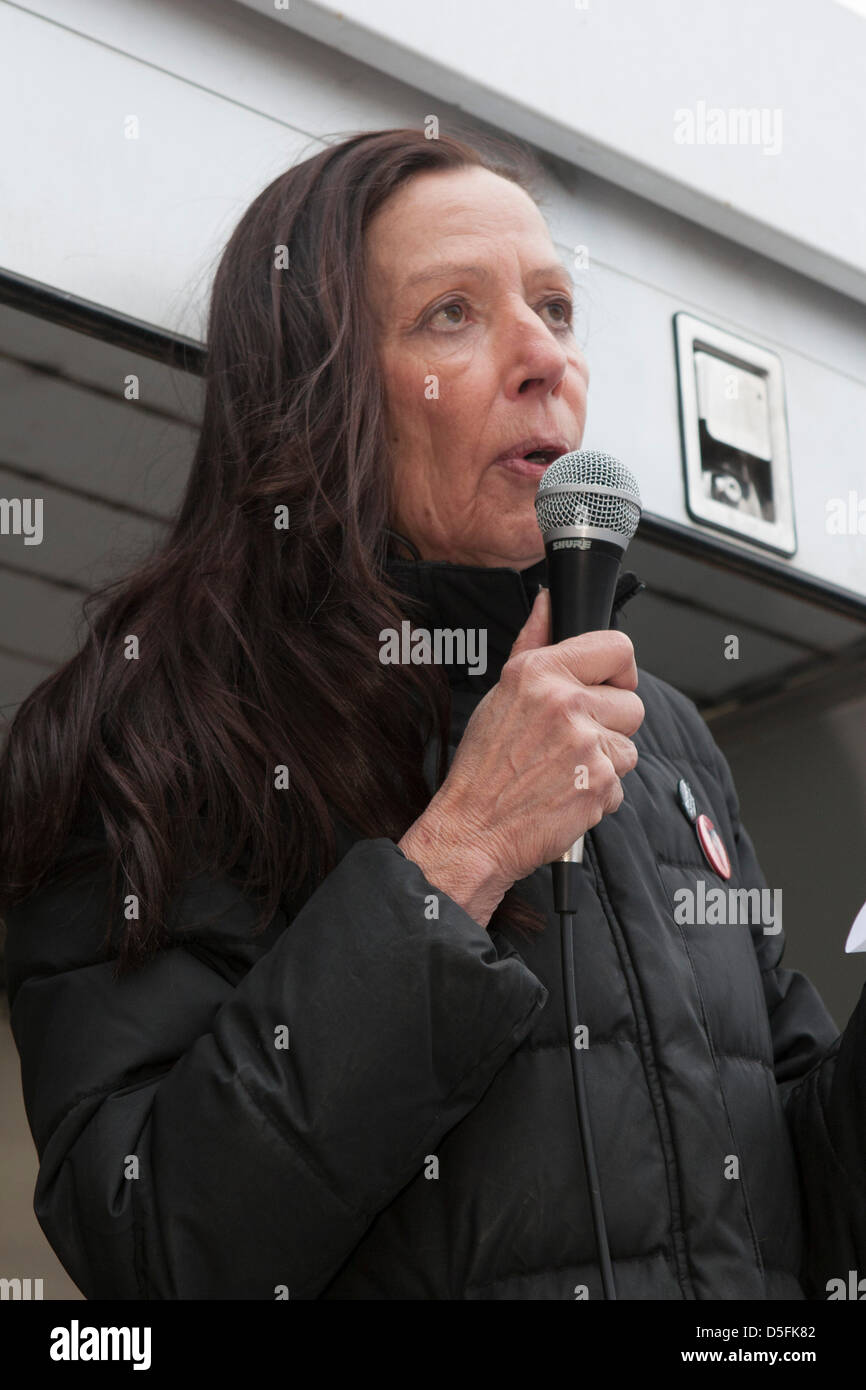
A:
[582,586]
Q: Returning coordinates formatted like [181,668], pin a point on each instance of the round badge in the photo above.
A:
[713,846]
[686,798]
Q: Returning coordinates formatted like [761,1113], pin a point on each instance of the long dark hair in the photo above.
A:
[232,736]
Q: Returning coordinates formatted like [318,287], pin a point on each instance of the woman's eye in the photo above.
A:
[567,309]
[446,308]
[564,307]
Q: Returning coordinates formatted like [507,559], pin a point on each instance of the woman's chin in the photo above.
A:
[520,547]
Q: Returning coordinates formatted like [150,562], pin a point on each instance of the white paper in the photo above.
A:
[857,935]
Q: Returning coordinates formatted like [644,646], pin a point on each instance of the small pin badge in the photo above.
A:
[686,799]
[713,846]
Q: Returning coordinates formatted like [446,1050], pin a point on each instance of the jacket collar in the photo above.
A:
[497,599]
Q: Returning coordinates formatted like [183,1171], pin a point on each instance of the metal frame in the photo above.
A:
[691,333]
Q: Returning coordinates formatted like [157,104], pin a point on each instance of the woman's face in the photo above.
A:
[474,361]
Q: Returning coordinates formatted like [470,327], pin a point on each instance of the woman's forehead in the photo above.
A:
[431,222]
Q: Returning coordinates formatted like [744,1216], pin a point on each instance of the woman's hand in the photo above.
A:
[539,764]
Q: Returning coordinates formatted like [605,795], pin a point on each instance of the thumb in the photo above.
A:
[536,630]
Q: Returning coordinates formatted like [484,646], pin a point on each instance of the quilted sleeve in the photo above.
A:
[217,1126]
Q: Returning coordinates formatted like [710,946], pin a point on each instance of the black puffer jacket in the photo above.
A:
[418,1137]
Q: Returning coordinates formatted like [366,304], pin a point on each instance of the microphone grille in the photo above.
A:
[567,497]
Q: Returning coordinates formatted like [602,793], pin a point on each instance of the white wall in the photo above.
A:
[599,82]
[226,98]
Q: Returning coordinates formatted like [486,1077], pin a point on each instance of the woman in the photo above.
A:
[364,1090]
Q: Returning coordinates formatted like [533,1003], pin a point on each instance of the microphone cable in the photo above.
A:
[565,904]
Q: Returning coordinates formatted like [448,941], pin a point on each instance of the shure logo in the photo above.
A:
[571,543]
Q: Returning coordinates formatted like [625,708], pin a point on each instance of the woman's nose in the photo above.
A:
[534,353]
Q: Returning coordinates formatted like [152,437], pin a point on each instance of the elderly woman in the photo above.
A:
[284,975]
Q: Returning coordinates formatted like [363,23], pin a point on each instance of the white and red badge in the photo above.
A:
[713,846]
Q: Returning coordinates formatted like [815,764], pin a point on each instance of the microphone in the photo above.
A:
[588,507]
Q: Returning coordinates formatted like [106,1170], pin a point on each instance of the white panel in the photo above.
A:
[600,82]
[134,224]
[662,250]
[229,50]
[633,414]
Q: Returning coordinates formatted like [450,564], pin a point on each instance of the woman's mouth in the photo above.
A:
[530,467]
